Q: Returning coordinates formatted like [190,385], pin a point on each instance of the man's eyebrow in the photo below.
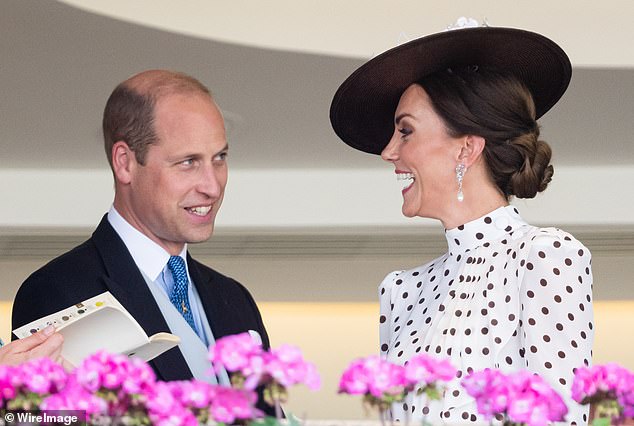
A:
[226,148]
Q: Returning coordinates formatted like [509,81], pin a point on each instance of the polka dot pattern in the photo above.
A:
[507,295]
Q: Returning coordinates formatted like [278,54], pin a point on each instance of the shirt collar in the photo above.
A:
[149,257]
[490,227]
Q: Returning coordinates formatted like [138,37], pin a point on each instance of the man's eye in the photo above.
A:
[222,156]
[187,162]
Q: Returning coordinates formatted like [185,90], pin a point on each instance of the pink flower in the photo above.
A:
[599,382]
[41,376]
[234,352]
[138,375]
[254,371]
[26,384]
[311,377]
[195,394]
[166,407]
[625,395]
[354,380]
[123,382]
[75,398]
[7,388]
[373,375]
[626,400]
[488,388]
[533,401]
[524,397]
[176,418]
[104,370]
[286,366]
[179,403]
[424,369]
[161,399]
[228,405]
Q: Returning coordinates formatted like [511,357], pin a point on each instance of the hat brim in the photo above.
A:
[362,110]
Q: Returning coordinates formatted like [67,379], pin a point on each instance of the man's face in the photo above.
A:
[175,196]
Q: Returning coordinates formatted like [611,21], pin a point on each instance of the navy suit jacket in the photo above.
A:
[103,263]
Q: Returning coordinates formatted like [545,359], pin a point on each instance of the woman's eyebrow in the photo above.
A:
[402,116]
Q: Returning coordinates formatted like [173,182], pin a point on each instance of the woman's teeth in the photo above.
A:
[406,179]
[200,211]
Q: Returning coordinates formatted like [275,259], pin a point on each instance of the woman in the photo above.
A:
[455,113]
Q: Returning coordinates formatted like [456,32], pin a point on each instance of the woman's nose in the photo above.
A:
[390,152]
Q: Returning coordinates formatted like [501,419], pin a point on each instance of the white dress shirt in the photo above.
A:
[151,259]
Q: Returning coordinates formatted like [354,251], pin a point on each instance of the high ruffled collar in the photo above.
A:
[490,227]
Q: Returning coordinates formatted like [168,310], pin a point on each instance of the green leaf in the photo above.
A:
[433,392]
[267,421]
[293,420]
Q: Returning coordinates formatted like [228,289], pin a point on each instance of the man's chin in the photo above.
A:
[199,235]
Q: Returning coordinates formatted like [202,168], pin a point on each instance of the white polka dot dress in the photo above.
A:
[507,295]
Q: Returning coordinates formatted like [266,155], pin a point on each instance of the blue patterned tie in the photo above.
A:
[179,296]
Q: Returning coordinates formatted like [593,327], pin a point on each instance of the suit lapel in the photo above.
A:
[211,300]
[126,283]
[222,319]
[222,306]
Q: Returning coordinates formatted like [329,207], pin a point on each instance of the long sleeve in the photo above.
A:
[556,312]
[385,303]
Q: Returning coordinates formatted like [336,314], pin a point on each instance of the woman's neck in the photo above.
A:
[476,204]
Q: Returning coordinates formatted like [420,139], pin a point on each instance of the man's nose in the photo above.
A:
[211,180]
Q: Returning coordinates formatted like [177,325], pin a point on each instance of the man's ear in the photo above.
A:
[471,150]
[123,162]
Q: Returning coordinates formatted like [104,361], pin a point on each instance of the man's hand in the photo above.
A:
[45,343]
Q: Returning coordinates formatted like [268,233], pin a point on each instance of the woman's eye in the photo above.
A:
[405,131]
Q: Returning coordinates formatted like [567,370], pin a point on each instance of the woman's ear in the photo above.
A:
[123,162]
[471,150]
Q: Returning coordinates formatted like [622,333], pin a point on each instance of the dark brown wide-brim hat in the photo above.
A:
[362,110]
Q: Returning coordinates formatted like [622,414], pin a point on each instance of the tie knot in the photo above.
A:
[176,264]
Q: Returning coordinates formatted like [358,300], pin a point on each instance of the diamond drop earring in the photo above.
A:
[460,171]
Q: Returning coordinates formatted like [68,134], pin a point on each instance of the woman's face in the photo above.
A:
[424,155]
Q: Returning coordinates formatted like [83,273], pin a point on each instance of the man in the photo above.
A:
[165,142]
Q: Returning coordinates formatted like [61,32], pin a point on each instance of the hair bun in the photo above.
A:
[536,171]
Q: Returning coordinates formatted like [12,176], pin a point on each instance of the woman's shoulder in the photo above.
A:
[551,237]
[552,252]
[405,276]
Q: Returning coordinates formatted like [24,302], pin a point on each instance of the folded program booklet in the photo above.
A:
[101,322]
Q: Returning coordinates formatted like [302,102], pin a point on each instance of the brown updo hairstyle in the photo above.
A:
[498,107]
